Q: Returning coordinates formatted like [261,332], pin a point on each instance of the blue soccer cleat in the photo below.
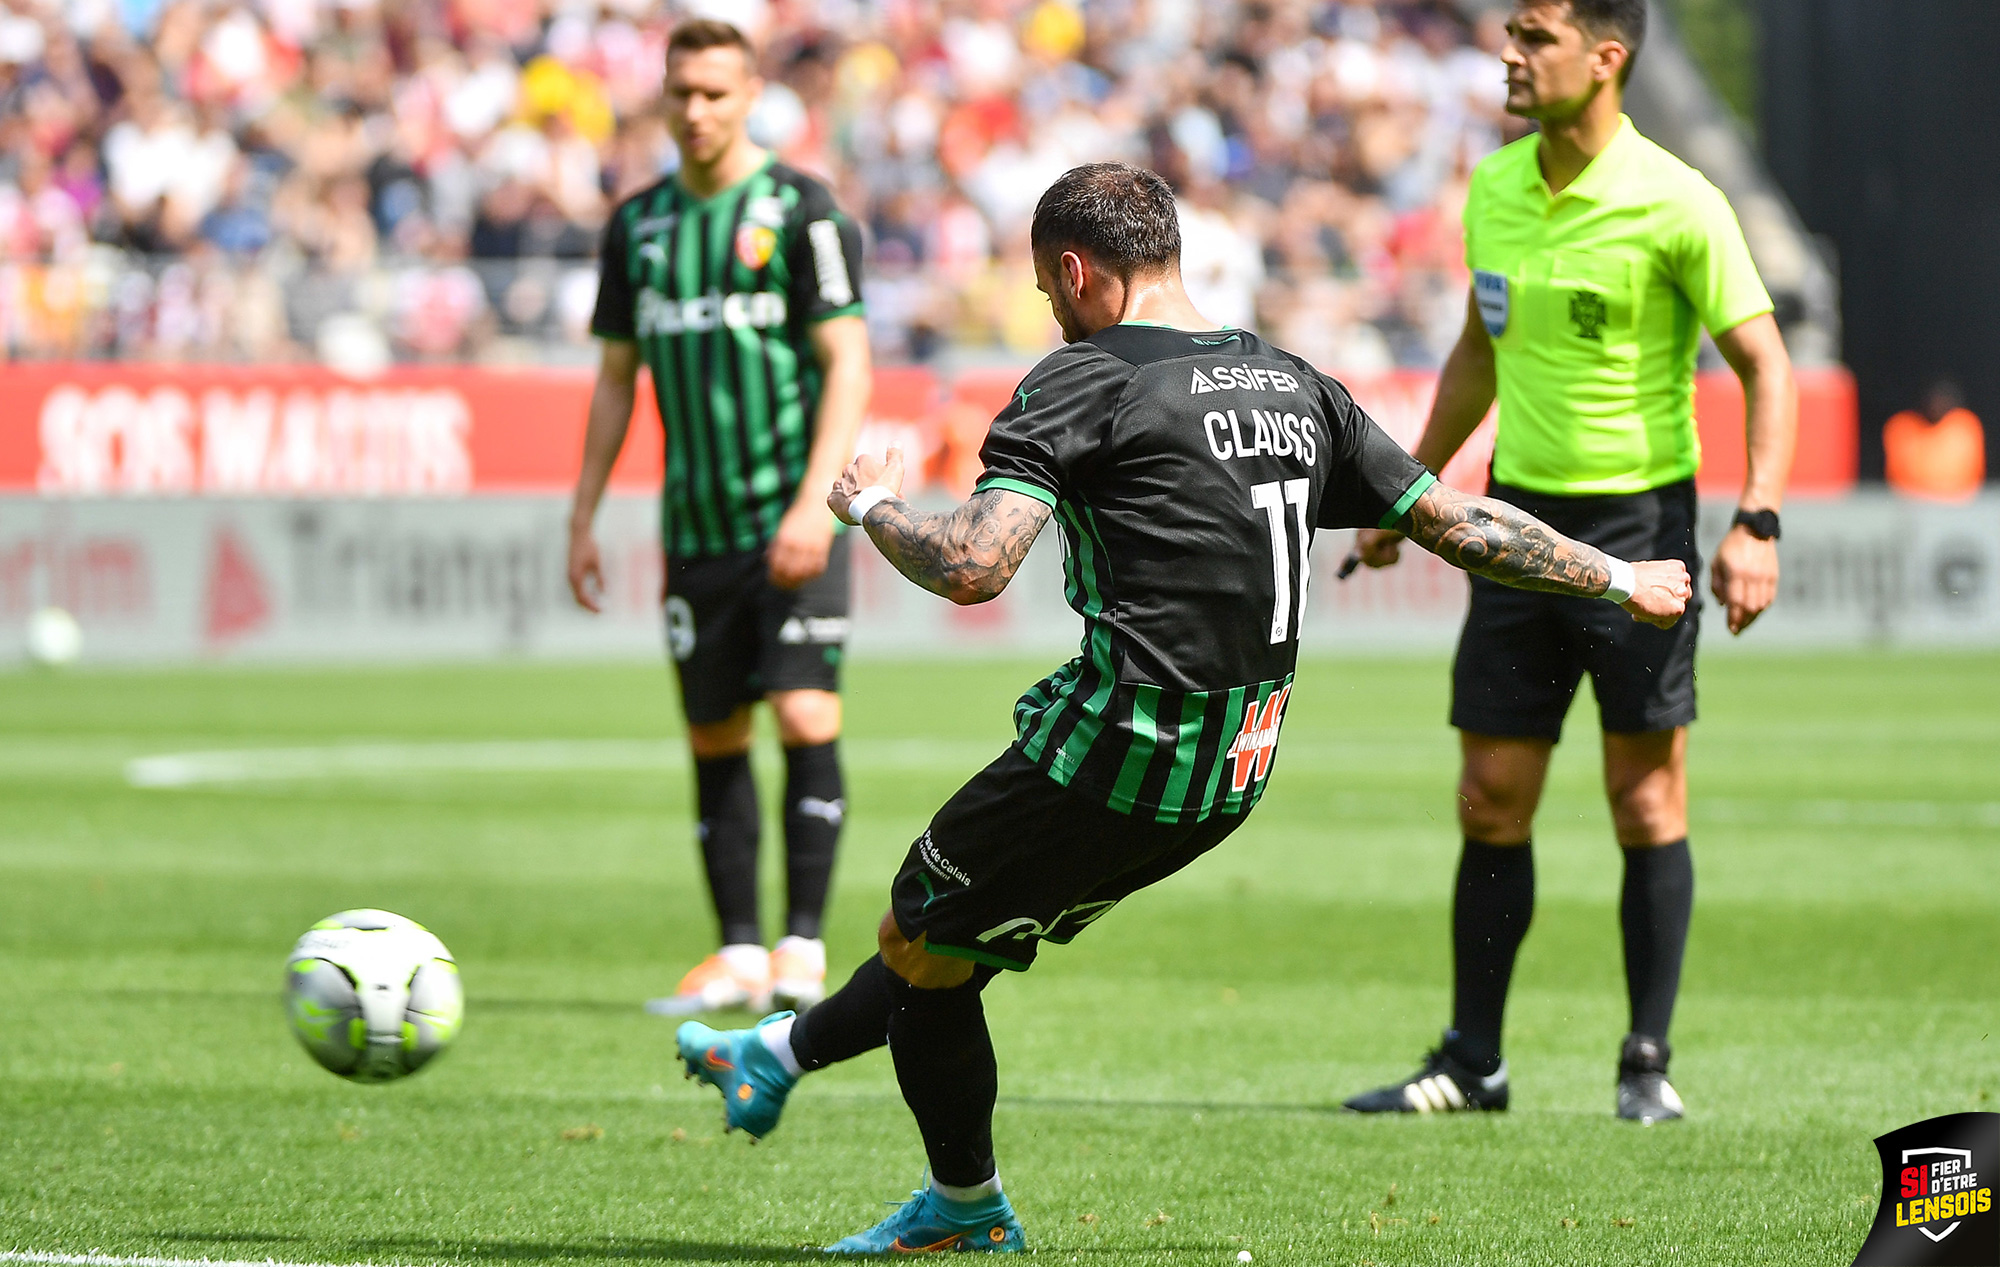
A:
[736,1062]
[932,1223]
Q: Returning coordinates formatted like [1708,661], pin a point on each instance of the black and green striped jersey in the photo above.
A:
[1188,473]
[721,294]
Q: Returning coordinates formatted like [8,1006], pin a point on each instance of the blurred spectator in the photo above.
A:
[1938,454]
[435,171]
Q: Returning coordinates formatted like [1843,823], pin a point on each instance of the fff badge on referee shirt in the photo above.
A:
[1937,1195]
[1490,289]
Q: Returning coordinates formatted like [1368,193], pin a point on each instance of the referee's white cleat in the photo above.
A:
[1644,1094]
[1443,1085]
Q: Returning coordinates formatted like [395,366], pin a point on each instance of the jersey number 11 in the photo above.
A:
[1272,498]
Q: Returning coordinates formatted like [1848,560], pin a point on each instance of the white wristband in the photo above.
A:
[1624,580]
[866,500]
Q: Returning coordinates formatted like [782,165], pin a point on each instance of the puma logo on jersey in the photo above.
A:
[1269,434]
[1254,378]
[1021,394]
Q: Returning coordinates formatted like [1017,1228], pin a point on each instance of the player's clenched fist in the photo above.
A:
[865,471]
[1662,593]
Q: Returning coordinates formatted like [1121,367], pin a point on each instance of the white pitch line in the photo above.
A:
[115,1260]
[400,760]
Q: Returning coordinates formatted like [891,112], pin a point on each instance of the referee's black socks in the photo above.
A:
[726,800]
[1655,908]
[1490,911]
[815,803]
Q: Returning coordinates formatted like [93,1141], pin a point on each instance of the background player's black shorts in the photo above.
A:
[1015,859]
[1522,653]
[734,635]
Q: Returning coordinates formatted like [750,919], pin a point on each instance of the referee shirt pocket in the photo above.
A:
[1592,305]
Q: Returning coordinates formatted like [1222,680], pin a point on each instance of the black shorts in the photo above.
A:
[1015,859]
[1522,653]
[735,636]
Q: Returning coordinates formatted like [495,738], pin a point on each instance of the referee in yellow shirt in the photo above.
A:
[1597,258]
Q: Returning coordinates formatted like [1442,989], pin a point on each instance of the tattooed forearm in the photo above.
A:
[969,555]
[1492,539]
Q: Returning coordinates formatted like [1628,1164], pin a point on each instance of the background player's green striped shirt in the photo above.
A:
[721,294]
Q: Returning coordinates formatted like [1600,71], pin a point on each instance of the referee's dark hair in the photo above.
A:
[1621,20]
[701,34]
[1122,217]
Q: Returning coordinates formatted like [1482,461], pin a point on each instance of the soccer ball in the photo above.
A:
[372,996]
[54,637]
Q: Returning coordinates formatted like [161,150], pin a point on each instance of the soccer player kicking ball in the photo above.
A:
[1597,257]
[1188,468]
[737,283]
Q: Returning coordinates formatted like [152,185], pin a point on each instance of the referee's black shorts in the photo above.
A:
[735,637]
[1522,653]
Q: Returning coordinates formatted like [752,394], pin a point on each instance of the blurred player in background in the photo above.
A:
[737,283]
[1188,467]
[1596,257]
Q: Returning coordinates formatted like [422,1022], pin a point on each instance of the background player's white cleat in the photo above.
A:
[733,977]
[798,973]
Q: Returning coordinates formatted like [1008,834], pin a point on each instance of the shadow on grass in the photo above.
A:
[425,1249]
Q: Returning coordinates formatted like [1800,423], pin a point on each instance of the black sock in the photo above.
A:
[1489,917]
[849,1022]
[726,798]
[815,802]
[1657,903]
[944,1063]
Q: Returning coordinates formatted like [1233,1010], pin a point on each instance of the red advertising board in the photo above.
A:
[71,430]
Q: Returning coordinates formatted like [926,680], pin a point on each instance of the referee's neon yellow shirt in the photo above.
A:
[1592,297]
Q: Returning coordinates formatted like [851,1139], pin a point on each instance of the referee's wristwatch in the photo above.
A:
[1762,524]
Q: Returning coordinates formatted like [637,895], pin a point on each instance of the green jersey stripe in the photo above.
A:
[706,486]
[1139,754]
[1040,494]
[1187,751]
[717,219]
[1407,500]
[1232,718]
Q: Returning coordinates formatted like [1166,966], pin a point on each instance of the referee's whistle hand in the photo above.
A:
[1663,591]
[1378,548]
[1744,576]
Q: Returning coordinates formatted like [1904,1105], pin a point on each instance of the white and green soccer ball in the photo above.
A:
[372,996]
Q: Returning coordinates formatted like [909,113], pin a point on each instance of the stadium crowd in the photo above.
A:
[280,180]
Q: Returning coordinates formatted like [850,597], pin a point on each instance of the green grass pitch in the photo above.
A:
[1169,1082]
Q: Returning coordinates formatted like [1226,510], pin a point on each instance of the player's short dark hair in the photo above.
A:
[701,34]
[1122,217]
[1621,20]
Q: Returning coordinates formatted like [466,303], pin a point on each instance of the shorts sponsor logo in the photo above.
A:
[820,630]
[939,865]
[680,628]
[1082,915]
[1252,378]
[1937,1196]
[1250,755]
[1491,293]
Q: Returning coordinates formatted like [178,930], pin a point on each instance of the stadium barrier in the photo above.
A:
[288,514]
